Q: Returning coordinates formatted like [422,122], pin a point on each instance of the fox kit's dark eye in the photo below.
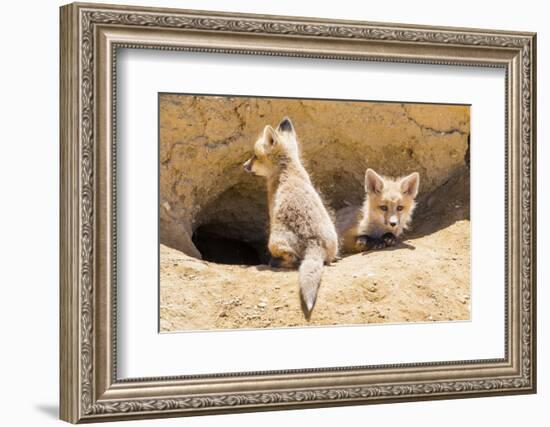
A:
[384,208]
[400,208]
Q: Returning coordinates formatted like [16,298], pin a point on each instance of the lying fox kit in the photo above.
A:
[300,229]
[385,214]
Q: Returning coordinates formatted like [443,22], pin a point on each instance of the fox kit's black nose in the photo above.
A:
[393,224]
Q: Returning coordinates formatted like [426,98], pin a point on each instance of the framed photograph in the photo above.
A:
[266,212]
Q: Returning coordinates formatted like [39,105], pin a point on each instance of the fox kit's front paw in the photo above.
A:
[367,243]
[335,259]
[389,239]
[283,262]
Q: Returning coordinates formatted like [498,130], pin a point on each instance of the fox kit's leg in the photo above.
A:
[331,252]
[282,255]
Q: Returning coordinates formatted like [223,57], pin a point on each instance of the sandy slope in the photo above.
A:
[426,278]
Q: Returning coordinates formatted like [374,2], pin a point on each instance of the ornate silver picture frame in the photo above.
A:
[91,390]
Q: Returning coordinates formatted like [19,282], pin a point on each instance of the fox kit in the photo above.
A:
[301,231]
[385,214]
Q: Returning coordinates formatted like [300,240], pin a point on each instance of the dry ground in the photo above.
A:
[423,279]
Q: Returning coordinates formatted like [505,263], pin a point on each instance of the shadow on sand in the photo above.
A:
[444,206]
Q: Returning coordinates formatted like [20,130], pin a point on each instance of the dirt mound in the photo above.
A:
[424,278]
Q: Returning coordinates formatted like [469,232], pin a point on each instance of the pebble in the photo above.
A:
[380,314]
[262,304]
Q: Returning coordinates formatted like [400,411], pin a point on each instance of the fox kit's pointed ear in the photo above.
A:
[285,126]
[409,184]
[373,182]
[270,139]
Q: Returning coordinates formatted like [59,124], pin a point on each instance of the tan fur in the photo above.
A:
[395,195]
[300,228]
[347,224]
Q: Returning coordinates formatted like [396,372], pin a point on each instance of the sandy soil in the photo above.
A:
[423,279]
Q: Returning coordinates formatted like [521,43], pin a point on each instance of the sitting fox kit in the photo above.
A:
[301,231]
[385,214]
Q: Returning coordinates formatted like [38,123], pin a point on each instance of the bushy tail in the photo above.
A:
[311,270]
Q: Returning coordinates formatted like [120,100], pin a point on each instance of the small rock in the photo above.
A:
[380,314]
[262,304]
